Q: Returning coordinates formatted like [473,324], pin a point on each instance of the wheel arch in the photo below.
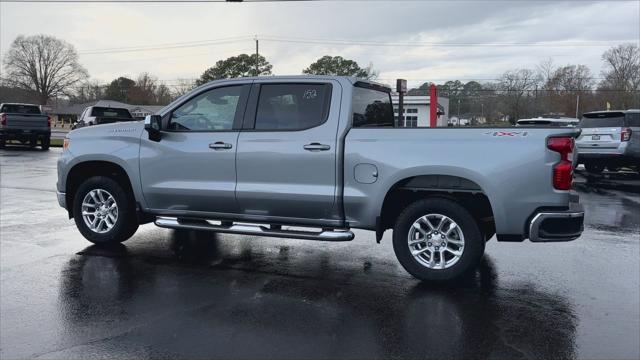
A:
[84,170]
[469,191]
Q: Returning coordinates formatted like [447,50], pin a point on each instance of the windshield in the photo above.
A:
[613,119]
[20,109]
[110,112]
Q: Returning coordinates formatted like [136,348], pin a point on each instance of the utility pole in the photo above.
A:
[577,105]
[257,56]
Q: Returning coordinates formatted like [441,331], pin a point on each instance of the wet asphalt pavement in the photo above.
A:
[165,294]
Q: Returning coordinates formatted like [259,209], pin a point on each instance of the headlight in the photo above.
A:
[66,143]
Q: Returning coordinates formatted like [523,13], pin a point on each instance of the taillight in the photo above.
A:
[49,121]
[562,171]
[3,119]
[625,135]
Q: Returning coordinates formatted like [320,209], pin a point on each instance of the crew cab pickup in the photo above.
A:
[96,115]
[24,123]
[313,157]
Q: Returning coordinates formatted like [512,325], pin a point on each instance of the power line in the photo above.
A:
[176,46]
[301,40]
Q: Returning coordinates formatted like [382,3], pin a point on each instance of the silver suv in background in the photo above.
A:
[609,139]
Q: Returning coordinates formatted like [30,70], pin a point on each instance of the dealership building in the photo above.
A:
[416,111]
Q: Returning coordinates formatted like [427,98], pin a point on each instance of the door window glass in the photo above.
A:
[213,110]
[372,108]
[292,106]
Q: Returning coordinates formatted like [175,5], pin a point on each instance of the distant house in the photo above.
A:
[417,111]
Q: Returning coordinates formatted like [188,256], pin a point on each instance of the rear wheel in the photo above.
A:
[594,167]
[437,240]
[45,143]
[33,142]
[3,142]
[103,212]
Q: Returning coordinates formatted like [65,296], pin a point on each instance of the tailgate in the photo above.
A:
[600,137]
[27,122]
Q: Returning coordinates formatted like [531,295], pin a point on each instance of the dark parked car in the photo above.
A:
[24,123]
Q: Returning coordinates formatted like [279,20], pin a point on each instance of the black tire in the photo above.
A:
[3,142]
[45,143]
[33,142]
[474,240]
[594,167]
[126,223]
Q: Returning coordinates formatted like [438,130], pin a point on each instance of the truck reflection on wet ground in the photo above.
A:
[235,307]
[166,294]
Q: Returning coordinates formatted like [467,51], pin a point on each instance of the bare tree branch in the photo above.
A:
[43,64]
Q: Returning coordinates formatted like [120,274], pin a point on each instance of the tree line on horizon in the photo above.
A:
[40,68]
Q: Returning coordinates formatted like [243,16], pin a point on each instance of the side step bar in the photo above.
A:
[257,230]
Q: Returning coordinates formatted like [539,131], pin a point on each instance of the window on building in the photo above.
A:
[292,106]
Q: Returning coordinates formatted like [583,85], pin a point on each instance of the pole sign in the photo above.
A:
[401,88]
[433,106]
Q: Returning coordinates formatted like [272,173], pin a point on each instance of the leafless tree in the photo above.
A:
[163,95]
[87,91]
[182,87]
[566,85]
[43,64]
[143,92]
[621,73]
[516,86]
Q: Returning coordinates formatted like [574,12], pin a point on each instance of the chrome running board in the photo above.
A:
[256,230]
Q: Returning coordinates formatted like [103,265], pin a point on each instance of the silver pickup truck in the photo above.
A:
[312,157]
[24,123]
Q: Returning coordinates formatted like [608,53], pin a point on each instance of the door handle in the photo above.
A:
[219,145]
[316,147]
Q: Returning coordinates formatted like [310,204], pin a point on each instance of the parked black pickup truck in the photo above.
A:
[24,123]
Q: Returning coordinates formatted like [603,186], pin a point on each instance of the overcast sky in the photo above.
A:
[458,39]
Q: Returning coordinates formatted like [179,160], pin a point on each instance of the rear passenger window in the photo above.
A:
[372,108]
[633,120]
[292,106]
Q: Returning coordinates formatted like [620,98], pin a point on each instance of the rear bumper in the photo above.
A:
[10,134]
[552,226]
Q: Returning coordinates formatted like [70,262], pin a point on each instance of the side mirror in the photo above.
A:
[153,125]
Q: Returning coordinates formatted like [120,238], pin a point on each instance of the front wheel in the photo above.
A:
[437,240]
[103,212]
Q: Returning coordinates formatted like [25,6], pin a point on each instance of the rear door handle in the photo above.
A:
[219,145]
[317,147]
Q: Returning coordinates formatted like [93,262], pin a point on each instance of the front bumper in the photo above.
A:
[553,225]
[62,199]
